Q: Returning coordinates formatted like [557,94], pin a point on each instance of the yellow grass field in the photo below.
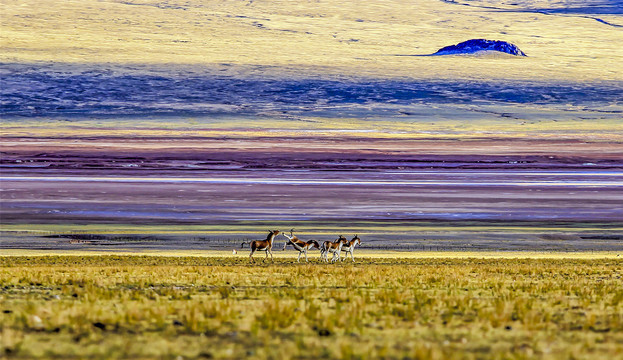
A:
[416,307]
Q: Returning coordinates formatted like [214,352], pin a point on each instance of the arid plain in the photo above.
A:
[143,141]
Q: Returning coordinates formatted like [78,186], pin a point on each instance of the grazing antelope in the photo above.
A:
[263,245]
[349,247]
[334,247]
[299,245]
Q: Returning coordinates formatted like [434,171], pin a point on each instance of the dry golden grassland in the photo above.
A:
[210,307]
[347,36]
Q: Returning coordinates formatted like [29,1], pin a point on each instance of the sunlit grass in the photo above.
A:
[168,306]
[380,129]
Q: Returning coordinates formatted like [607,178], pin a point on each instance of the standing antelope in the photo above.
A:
[299,245]
[349,247]
[263,245]
[334,247]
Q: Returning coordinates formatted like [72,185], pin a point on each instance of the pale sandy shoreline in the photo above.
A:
[360,253]
[401,239]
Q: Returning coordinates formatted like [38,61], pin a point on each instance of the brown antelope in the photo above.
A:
[349,247]
[334,247]
[299,245]
[263,245]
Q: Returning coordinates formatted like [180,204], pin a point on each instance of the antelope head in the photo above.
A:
[272,233]
[357,240]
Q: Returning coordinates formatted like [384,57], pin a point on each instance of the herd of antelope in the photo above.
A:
[336,247]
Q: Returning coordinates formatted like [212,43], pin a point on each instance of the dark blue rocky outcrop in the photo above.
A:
[476,45]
